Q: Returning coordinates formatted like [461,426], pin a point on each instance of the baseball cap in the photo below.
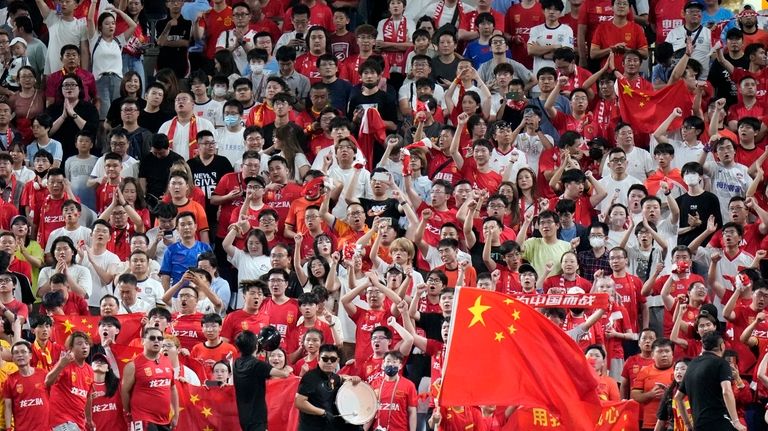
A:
[20,218]
[575,291]
[395,268]
[527,268]
[693,5]
[18,40]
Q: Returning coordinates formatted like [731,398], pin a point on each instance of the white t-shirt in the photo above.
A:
[532,147]
[130,168]
[228,39]
[620,187]
[702,46]
[249,267]
[639,163]
[180,139]
[99,288]
[345,176]
[82,233]
[447,15]
[212,111]
[151,291]
[79,273]
[317,164]
[107,56]
[515,158]
[728,182]
[544,36]
[62,33]
[141,306]
[231,145]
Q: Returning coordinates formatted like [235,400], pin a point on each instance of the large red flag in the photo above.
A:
[204,408]
[283,416]
[124,354]
[64,325]
[372,129]
[513,355]
[644,111]
[615,416]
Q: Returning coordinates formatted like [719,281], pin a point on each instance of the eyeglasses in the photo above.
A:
[129,110]
[241,15]
[69,85]
[433,280]
[186,296]
[267,220]
[621,160]
[155,338]
[6,280]
[331,359]
[276,280]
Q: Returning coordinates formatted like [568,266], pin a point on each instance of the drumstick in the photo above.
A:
[354,413]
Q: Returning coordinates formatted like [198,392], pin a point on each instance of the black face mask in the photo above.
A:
[595,153]
[42,174]
[370,85]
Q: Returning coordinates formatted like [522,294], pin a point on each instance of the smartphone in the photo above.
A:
[385,221]
[515,96]
[168,233]
[213,384]
[300,36]
[58,8]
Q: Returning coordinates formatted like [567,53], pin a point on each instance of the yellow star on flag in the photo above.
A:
[194,398]
[509,301]
[628,90]
[512,329]
[642,104]
[84,321]
[68,326]
[206,411]
[477,311]
[516,314]
[499,336]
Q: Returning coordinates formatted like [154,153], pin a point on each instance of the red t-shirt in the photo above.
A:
[629,287]
[744,315]
[282,316]
[226,184]
[467,21]
[306,64]
[395,398]
[679,287]
[548,161]
[21,266]
[69,394]
[616,318]
[75,304]
[667,15]
[739,110]
[319,14]
[266,24]
[609,34]
[632,367]
[45,358]
[488,181]
[365,321]
[208,356]
[151,394]
[750,242]
[439,218]
[240,320]
[592,13]
[107,411]
[296,334]
[585,126]
[442,167]
[584,210]
[188,329]
[348,69]
[281,200]
[593,336]
[29,399]
[370,369]
[559,282]
[48,217]
[215,23]
[104,194]
[18,308]
[509,282]
[518,22]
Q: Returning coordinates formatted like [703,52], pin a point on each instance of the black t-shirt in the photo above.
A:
[250,376]
[477,256]
[721,79]
[175,58]
[113,115]
[705,204]
[432,324]
[68,131]
[702,385]
[153,120]
[380,100]
[207,177]
[442,71]
[385,208]
[139,142]
[156,171]
[320,390]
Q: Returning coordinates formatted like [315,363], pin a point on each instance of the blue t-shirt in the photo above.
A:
[478,53]
[54,147]
[722,14]
[178,259]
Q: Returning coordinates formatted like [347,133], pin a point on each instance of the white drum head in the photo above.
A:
[357,404]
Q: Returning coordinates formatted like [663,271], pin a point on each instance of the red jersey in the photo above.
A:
[273,9]
[739,110]
[151,393]
[18,308]
[395,398]
[348,70]
[509,282]
[30,195]
[300,364]
[281,200]
[214,24]
[296,334]
[69,394]
[208,356]
[370,370]
[104,194]
[632,367]
[266,24]
[45,358]
[747,158]
[593,336]
[617,319]
[365,321]
[518,22]
[609,34]
[107,411]
[489,181]
[584,211]
[21,266]
[442,167]
[667,15]
[425,306]
[240,320]
[319,14]
[467,21]
[679,287]
[188,329]
[282,316]
[548,161]
[585,126]
[744,315]
[606,115]
[226,184]
[462,418]
[306,64]
[48,217]
[75,304]
[29,400]
[750,242]
[592,13]
[629,287]
[559,282]
[575,80]
[439,218]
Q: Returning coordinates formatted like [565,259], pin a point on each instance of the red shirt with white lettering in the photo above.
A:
[518,22]
[592,13]
[679,287]
[48,217]
[395,398]
[365,321]
[107,411]
[151,395]
[306,64]
[281,200]
[29,400]
[629,288]
[240,320]
[489,181]
[187,329]
[228,183]
[667,15]
[282,316]
[69,394]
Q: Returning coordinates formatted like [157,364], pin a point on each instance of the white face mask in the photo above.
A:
[596,242]
[219,91]
[257,68]
[691,179]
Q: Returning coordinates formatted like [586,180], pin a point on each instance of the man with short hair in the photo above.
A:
[708,385]
[130,302]
[97,259]
[541,251]
[399,413]
[154,113]
[69,384]
[148,388]
[48,212]
[180,256]
[155,167]
[653,380]
[25,397]
[252,317]
[183,128]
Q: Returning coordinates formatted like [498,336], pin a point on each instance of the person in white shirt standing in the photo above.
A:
[728,177]
[63,29]
[546,38]
[241,39]
[616,181]
[107,53]
[97,259]
[700,36]
[182,129]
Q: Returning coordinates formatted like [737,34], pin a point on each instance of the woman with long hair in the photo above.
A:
[133,51]
[130,88]
[278,359]
[167,77]
[253,260]
[72,115]
[106,402]
[224,64]
[285,144]
[134,197]
[669,417]
[18,153]
[311,343]
[529,200]
[27,103]
[28,249]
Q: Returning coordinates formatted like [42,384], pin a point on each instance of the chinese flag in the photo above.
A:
[207,409]
[130,327]
[124,354]
[615,416]
[372,129]
[513,355]
[65,325]
[646,110]
[282,415]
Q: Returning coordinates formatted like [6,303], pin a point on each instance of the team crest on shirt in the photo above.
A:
[627,36]
[290,318]
[690,315]
[228,21]
[148,371]
[598,9]
[517,18]
[19,388]
[635,369]
[73,377]
[244,325]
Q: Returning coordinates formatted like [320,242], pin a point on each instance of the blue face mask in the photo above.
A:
[231,120]
[391,370]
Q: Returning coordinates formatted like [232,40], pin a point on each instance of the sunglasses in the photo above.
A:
[331,359]
[155,338]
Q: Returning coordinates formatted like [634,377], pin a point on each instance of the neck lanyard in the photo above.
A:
[391,400]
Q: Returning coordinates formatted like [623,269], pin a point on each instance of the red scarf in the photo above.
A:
[396,59]
[193,150]
[44,356]
[439,12]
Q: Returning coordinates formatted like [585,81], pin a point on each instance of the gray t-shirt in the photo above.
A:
[77,171]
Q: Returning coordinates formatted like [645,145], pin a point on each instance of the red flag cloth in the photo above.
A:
[124,354]
[372,129]
[204,408]
[130,327]
[282,415]
[66,324]
[615,416]
[644,111]
[543,365]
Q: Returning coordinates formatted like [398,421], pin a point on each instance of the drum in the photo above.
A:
[357,404]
